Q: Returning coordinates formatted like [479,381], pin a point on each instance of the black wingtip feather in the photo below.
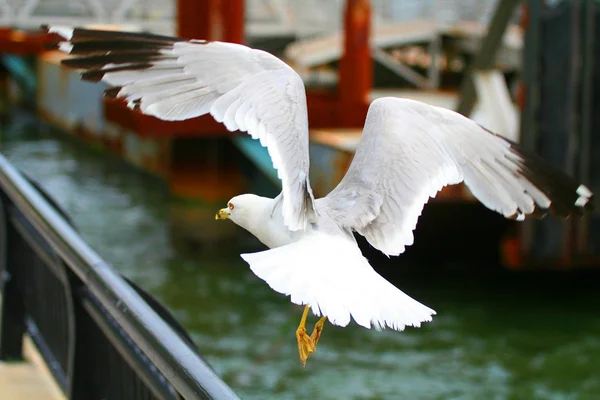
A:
[96,75]
[82,34]
[96,34]
[50,46]
[112,92]
[561,189]
[116,45]
[98,61]
[135,104]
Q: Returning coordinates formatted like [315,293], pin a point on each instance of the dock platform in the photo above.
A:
[28,379]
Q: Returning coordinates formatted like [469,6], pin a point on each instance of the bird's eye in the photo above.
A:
[230,205]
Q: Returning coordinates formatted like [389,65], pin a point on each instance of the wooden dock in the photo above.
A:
[28,379]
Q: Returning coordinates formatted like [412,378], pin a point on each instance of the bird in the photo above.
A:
[408,151]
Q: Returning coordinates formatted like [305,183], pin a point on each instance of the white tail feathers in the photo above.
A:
[329,274]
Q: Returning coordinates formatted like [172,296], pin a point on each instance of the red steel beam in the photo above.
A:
[195,19]
[356,65]
[233,20]
[211,20]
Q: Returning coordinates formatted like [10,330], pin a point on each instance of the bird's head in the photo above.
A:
[240,208]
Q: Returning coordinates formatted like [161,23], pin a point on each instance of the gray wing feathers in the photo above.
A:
[409,151]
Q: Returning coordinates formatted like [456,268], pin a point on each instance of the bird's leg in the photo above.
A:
[308,344]
[316,333]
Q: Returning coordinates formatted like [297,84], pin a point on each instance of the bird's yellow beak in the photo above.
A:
[222,214]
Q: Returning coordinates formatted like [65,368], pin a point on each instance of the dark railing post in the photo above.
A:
[82,370]
[12,313]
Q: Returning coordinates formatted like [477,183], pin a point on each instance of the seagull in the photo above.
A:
[408,152]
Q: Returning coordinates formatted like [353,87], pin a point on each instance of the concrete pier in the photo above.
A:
[28,379]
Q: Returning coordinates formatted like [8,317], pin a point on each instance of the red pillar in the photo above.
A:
[356,65]
[194,18]
[233,17]
[211,20]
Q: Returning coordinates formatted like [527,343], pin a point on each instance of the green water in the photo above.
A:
[496,336]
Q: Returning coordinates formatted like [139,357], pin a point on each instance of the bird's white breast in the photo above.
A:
[273,232]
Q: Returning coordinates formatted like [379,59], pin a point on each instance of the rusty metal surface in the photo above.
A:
[18,42]
[211,20]
[65,98]
[356,65]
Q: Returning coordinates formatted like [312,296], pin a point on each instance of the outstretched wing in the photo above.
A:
[172,79]
[409,151]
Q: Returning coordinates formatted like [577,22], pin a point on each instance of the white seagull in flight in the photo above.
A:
[407,153]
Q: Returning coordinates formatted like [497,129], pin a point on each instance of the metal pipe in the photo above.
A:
[187,372]
[211,20]
[356,66]
[233,20]
[196,19]
[484,59]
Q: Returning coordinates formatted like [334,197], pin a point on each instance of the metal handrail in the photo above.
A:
[179,363]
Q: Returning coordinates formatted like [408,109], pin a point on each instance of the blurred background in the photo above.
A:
[517,302]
